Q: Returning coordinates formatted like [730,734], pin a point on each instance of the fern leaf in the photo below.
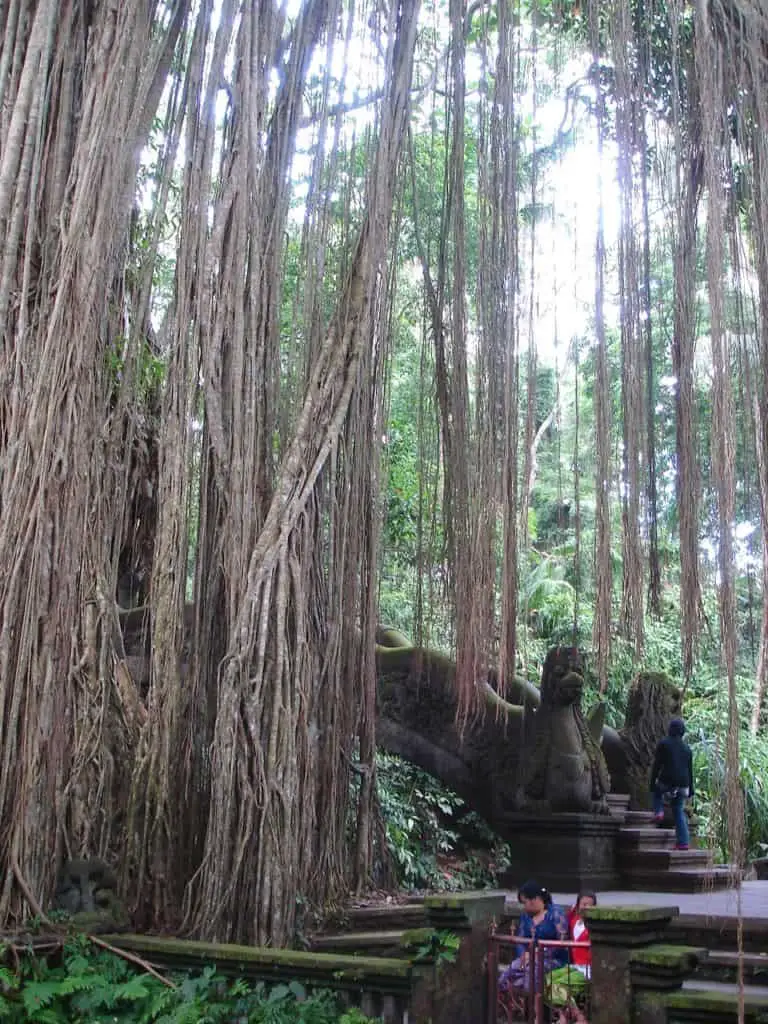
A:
[39,994]
[78,983]
[131,991]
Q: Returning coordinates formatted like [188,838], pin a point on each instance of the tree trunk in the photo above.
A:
[601,630]
[80,110]
[265,763]
[632,612]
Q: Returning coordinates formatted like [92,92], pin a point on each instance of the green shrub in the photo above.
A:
[427,825]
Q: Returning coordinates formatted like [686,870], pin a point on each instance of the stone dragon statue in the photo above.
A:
[562,766]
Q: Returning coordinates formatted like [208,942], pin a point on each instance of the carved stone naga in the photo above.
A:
[562,765]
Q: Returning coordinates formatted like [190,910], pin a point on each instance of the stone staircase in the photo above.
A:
[714,985]
[648,860]
[383,930]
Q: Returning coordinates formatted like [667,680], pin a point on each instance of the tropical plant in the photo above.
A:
[435,843]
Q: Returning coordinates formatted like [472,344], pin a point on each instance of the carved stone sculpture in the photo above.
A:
[485,759]
[653,700]
[562,767]
[87,891]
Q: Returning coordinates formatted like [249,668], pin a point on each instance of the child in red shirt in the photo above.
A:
[567,983]
[581,956]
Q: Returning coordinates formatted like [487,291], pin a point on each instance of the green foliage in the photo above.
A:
[433,842]
[548,597]
[89,987]
[709,766]
[441,947]
[354,1016]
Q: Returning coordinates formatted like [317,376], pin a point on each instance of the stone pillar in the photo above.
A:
[616,934]
[455,990]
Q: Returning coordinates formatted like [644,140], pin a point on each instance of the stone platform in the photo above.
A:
[562,851]
[748,901]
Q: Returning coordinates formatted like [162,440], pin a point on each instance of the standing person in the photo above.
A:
[672,779]
[540,919]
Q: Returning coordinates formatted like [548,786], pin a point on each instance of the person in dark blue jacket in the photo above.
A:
[672,779]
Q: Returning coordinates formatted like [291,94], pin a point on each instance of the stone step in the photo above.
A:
[682,879]
[718,1002]
[639,818]
[618,799]
[723,965]
[646,818]
[619,805]
[632,837]
[662,859]
[375,943]
[389,917]
[718,930]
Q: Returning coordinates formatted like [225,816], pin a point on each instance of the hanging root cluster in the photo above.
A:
[77,100]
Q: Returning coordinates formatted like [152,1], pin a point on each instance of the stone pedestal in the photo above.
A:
[617,935]
[564,852]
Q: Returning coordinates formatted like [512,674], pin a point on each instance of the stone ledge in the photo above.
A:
[324,970]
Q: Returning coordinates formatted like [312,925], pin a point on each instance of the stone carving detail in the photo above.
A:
[562,766]
[87,891]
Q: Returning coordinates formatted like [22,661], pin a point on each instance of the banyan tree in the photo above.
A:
[218,222]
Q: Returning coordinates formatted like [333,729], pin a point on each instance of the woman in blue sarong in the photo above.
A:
[540,919]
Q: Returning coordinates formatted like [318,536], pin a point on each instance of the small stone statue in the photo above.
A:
[563,768]
[87,891]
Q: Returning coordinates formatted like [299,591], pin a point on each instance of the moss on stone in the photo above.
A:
[390,636]
[647,997]
[416,937]
[98,921]
[631,914]
[340,964]
[714,1001]
[667,955]
[445,902]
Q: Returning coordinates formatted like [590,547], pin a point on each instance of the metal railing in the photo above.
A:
[544,995]
[510,1004]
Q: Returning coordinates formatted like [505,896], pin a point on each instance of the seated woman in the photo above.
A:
[567,985]
[540,919]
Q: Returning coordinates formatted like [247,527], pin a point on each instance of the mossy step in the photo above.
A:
[716,1003]
[374,943]
[670,955]
[387,917]
[723,965]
